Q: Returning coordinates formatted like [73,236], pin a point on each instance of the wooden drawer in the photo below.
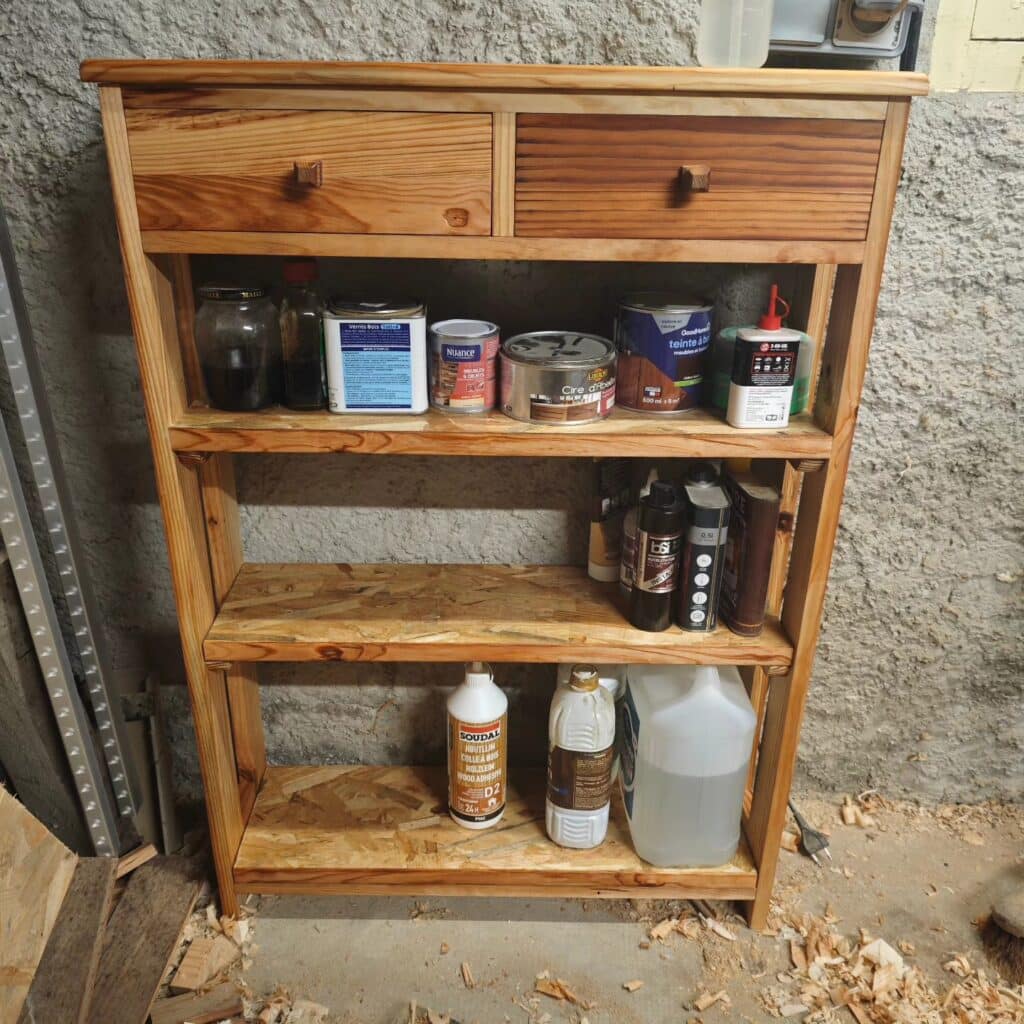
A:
[612,176]
[382,173]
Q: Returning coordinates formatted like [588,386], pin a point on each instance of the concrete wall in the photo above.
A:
[920,653]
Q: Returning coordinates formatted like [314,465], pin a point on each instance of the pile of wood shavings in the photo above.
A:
[873,981]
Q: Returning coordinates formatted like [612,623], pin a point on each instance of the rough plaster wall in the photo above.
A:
[922,635]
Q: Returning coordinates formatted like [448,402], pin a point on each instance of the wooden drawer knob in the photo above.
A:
[309,174]
[692,178]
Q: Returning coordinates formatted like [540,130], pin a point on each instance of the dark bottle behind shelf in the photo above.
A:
[748,556]
[703,549]
[659,529]
[302,337]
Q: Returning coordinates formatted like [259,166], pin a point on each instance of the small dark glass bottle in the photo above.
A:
[659,533]
[302,337]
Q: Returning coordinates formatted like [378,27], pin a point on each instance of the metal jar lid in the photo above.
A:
[664,302]
[562,350]
[463,330]
[375,309]
[232,292]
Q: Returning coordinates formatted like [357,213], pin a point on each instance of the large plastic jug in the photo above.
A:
[687,732]
[734,33]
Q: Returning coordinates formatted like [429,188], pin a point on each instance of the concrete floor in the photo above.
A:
[916,878]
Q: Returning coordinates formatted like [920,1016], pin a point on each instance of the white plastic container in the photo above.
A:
[734,33]
[688,731]
[581,746]
[477,749]
[613,679]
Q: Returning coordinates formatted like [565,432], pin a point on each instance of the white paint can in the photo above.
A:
[376,356]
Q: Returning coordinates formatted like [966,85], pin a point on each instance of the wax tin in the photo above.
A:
[557,377]
[376,356]
[663,341]
[463,365]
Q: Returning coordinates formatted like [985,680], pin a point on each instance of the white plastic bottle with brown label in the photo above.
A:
[581,748]
[477,749]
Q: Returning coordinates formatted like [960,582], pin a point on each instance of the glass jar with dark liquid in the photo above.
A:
[239,344]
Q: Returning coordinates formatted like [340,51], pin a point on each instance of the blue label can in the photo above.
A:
[663,344]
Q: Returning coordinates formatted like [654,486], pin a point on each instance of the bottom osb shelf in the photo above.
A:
[343,829]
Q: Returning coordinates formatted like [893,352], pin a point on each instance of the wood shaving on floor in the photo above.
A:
[557,988]
[873,981]
[467,975]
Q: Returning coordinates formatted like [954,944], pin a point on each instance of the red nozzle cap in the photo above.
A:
[772,321]
[300,271]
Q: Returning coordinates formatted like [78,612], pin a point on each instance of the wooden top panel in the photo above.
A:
[569,77]
[532,613]
[699,434]
[346,829]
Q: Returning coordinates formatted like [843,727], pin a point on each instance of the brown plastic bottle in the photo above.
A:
[659,533]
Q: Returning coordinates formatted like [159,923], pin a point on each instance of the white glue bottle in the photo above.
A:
[477,749]
[764,369]
[581,748]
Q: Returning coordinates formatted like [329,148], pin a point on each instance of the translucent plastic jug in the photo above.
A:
[734,33]
[687,734]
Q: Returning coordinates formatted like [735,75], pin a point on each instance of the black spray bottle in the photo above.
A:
[703,554]
[659,533]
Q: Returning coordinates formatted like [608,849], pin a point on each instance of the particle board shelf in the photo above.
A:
[357,830]
[445,613]
[699,434]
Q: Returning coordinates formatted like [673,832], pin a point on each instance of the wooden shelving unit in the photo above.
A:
[483,162]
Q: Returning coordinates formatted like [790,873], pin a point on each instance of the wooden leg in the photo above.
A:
[224,539]
[154,324]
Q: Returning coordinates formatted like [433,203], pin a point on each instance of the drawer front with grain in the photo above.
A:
[312,171]
[619,176]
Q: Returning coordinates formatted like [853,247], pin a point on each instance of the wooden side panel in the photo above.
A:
[224,543]
[618,176]
[234,170]
[367,830]
[810,306]
[151,296]
[844,361]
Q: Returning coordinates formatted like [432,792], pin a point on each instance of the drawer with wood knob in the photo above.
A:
[722,177]
[312,171]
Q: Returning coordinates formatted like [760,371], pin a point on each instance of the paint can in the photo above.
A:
[375,351]
[663,342]
[557,377]
[463,365]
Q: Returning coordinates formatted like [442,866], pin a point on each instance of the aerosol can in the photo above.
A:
[703,553]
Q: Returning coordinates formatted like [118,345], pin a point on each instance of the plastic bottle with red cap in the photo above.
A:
[764,370]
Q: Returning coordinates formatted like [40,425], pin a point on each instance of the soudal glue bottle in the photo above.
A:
[764,370]
[477,749]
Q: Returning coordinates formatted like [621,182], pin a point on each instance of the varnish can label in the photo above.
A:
[477,768]
[463,365]
[657,562]
[662,352]
[578,780]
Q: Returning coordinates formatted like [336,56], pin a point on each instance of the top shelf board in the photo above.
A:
[528,77]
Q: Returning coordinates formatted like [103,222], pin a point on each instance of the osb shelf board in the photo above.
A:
[344,829]
[532,613]
[697,434]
